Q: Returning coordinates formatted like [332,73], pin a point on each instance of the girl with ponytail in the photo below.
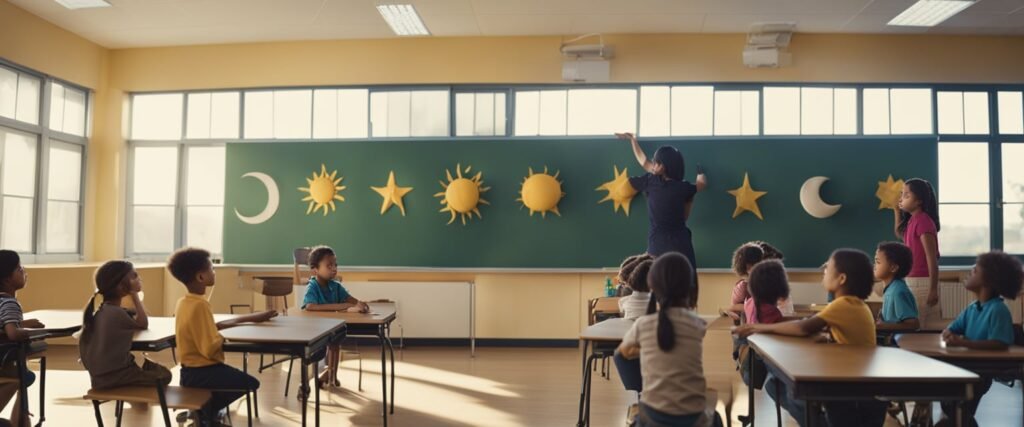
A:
[668,344]
[917,224]
[107,331]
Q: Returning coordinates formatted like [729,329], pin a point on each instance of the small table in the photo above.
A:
[832,372]
[606,334]
[1008,363]
[376,323]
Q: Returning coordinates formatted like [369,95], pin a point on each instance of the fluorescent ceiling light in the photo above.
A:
[83,4]
[929,13]
[403,19]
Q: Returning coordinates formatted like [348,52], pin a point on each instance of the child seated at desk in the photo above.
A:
[848,274]
[200,345]
[636,303]
[899,308]
[323,293]
[106,340]
[12,279]
[625,270]
[743,260]
[985,324]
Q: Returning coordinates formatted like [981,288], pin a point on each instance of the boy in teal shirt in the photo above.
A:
[899,308]
[324,293]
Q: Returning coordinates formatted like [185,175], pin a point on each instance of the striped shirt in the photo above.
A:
[10,311]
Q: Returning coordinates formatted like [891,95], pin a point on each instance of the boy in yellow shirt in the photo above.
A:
[849,275]
[200,345]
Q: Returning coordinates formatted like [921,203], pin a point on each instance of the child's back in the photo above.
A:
[635,305]
[767,284]
[673,380]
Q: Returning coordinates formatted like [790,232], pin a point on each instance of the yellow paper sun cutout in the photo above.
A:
[746,199]
[620,191]
[889,193]
[541,192]
[392,194]
[462,195]
[323,190]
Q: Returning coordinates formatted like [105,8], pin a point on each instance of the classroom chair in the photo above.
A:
[170,397]
[600,309]
[22,351]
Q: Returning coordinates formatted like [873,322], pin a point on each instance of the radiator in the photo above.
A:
[953,298]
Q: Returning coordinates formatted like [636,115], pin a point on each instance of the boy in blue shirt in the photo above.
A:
[985,324]
[899,308]
[323,293]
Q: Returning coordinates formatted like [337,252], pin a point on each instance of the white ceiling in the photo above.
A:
[139,23]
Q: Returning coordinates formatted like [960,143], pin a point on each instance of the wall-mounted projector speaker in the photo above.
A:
[772,57]
[592,71]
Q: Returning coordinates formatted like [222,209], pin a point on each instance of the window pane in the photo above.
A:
[19,163]
[353,113]
[965,230]
[654,111]
[293,114]
[325,113]
[225,111]
[845,111]
[259,115]
[816,111]
[692,110]
[64,174]
[951,112]
[16,224]
[429,113]
[1013,173]
[483,115]
[963,172]
[28,99]
[399,114]
[153,229]
[198,121]
[74,112]
[61,227]
[57,107]
[157,117]
[601,111]
[465,111]
[728,112]
[1011,113]
[205,176]
[911,111]
[975,113]
[1013,228]
[8,92]
[527,112]
[154,178]
[876,111]
[781,111]
[500,115]
[552,112]
[379,114]
[204,228]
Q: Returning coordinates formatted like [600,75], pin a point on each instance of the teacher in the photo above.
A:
[669,199]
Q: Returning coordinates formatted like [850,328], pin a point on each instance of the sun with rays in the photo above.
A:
[541,192]
[461,195]
[323,190]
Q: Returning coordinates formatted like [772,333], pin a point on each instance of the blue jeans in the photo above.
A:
[650,417]
[222,377]
[629,372]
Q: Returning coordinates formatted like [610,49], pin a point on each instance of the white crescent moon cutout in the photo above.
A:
[810,198]
[273,199]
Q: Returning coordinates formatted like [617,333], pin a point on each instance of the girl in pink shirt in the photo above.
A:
[744,259]
[917,224]
[767,285]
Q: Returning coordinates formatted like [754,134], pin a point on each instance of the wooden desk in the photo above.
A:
[59,323]
[831,372]
[376,323]
[598,341]
[1007,363]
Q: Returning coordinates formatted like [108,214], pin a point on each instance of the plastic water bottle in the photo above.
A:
[609,289]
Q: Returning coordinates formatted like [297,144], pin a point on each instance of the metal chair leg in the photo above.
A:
[96,410]
[117,410]
[163,405]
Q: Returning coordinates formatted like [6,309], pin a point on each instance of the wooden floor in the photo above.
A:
[445,387]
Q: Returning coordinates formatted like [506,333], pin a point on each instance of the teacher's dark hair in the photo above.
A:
[672,162]
[671,282]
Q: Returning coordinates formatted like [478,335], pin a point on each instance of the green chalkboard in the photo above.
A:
[587,234]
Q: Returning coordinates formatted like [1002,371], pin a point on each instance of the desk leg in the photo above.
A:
[42,391]
[583,386]
[961,414]
[305,389]
[22,387]
[316,415]
[391,352]
[750,388]
[383,374]
[810,412]
[591,366]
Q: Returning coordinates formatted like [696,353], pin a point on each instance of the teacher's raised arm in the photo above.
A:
[641,157]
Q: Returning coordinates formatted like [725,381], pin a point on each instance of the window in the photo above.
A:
[18,192]
[692,110]
[63,197]
[737,112]
[541,112]
[876,111]
[421,113]
[1013,197]
[154,193]
[279,114]
[601,111]
[963,112]
[810,111]
[480,114]
[655,111]
[781,111]
[1011,113]
[157,117]
[964,199]
[213,115]
[19,96]
[67,109]
[204,204]
[897,111]
[341,113]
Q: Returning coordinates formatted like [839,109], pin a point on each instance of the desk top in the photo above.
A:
[803,360]
[63,322]
[931,345]
[380,313]
[282,329]
[611,330]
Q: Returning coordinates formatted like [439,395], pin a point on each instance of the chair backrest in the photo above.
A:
[300,257]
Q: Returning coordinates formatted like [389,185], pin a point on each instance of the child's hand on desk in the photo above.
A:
[265,316]
[32,324]
[363,307]
[953,340]
[744,331]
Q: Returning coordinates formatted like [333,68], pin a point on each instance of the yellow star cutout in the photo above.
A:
[746,199]
[888,193]
[620,191]
[392,194]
